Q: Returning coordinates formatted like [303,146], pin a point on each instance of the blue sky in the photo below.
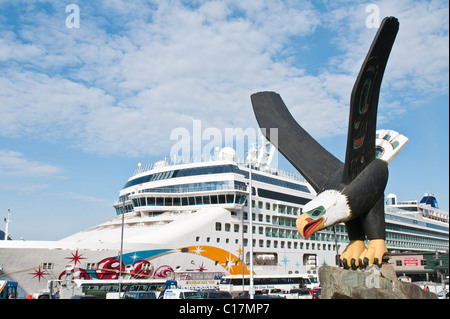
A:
[80,107]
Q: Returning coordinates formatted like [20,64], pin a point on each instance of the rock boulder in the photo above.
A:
[372,283]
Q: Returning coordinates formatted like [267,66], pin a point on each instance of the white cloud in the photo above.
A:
[419,58]
[84,198]
[51,107]
[23,188]
[133,72]
[15,164]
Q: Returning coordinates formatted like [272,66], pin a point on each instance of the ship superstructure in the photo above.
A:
[413,226]
[190,221]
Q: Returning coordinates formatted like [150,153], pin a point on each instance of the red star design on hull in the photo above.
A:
[39,273]
[201,268]
[76,258]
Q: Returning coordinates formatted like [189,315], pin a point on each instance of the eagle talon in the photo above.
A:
[365,262]
[375,251]
[351,253]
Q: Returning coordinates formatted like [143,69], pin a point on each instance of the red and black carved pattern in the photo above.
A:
[363,119]
[364,102]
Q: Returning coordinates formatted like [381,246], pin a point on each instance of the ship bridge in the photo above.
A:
[164,187]
[222,180]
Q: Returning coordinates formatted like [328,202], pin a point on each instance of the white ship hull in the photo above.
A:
[170,251]
[186,220]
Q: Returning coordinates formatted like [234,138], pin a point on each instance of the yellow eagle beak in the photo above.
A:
[307,226]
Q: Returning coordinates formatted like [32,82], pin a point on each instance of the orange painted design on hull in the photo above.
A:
[224,258]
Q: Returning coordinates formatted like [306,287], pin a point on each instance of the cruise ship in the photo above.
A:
[189,220]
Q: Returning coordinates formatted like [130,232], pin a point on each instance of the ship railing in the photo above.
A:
[176,160]
[167,162]
[194,189]
[276,171]
[439,215]
[407,202]
[182,190]
[434,213]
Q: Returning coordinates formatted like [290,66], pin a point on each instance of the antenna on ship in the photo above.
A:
[260,157]
[7,221]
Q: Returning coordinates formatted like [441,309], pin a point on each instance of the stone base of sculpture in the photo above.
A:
[372,283]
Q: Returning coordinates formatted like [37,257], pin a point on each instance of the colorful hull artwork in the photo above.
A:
[139,264]
[227,260]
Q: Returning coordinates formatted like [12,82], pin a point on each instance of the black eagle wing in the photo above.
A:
[314,162]
[364,102]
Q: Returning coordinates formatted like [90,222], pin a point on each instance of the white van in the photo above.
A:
[181,294]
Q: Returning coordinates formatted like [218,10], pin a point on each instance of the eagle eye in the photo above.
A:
[316,212]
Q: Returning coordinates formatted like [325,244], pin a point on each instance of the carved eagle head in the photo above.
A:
[329,208]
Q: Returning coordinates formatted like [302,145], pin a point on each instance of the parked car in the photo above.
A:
[316,293]
[181,294]
[84,297]
[269,297]
[258,295]
[243,295]
[214,294]
[139,295]
[301,293]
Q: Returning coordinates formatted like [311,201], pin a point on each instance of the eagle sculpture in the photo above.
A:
[350,192]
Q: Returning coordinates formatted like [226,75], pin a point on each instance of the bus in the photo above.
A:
[237,283]
[8,289]
[102,287]
[90,287]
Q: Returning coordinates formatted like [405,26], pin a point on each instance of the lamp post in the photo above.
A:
[242,252]
[251,292]
[121,245]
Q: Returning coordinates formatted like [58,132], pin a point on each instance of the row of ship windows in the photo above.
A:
[276,244]
[219,169]
[228,185]
[416,222]
[341,236]
[199,187]
[190,200]
[274,220]
[416,241]
[399,239]
[404,239]
[128,208]
[281,220]
[408,237]
[274,232]
[416,245]
[412,242]
[411,230]
[392,239]
[213,199]
[281,209]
